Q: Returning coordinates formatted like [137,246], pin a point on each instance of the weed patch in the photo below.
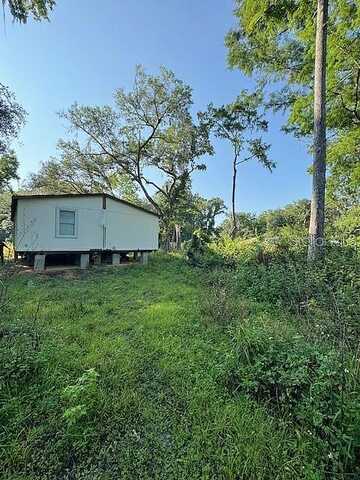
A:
[126,373]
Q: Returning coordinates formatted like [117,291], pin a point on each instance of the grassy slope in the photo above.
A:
[160,409]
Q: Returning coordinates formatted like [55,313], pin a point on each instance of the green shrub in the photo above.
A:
[304,373]
[308,386]
[284,243]
[277,245]
[220,305]
[19,353]
[199,254]
[347,227]
[326,293]
[239,250]
[282,374]
[80,397]
[195,248]
[274,270]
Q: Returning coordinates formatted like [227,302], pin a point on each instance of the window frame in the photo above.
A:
[57,226]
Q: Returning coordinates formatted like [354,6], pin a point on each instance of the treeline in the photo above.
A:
[146,147]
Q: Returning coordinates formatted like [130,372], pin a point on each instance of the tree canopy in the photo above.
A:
[274,41]
[241,123]
[12,118]
[21,10]
[146,145]
[149,137]
[71,174]
[8,170]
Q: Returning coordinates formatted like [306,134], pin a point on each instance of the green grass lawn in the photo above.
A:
[115,373]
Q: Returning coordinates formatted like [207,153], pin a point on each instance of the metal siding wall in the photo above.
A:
[129,228]
[36,224]
[126,228]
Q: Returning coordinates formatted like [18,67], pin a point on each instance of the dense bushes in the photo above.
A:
[310,387]
[219,305]
[19,354]
[274,270]
[127,385]
[295,350]
[178,372]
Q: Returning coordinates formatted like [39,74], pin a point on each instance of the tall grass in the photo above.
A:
[304,369]
[149,372]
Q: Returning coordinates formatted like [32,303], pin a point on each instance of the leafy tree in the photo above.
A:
[343,184]
[12,115]
[347,226]
[72,174]
[296,214]
[12,118]
[149,137]
[174,211]
[20,10]
[8,170]
[6,226]
[200,215]
[275,42]
[247,225]
[188,214]
[238,122]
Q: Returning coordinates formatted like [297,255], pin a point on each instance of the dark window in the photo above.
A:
[67,223]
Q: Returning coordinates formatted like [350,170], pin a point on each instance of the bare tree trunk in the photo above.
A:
[233,214]
[317,218]
[178,237]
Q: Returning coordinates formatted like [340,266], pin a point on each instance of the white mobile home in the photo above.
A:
[85,224]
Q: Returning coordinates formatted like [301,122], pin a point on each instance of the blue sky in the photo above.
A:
[90,48]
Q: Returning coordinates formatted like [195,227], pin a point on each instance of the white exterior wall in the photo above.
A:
[128,228]
[118,227]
